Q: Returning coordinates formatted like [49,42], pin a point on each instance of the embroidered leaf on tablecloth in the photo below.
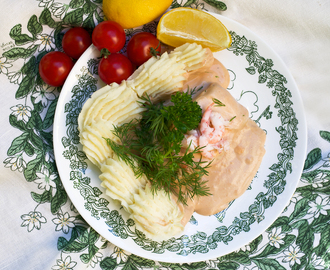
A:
[239,257]
[46,18]
[305,238]
[20,124]
[93,236]
[35,122]
[30,68]
[42,198]
[58,200]
[29,150]
[16,34]
[19,52]
[108,263]
[76,3]
[31,168]
[136,262]
[255,243]
[18,144]
[25,87]
[49,117]
[268,264]
[283,222]
[34,26]
[217,4]
[89,22]
[228,266]
[300,209]
[313,157]
[74,17]
[325,135]
[89,7]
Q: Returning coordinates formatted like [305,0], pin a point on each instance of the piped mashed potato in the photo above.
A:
[228,135]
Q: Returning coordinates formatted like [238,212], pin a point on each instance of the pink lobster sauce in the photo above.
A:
[233,169]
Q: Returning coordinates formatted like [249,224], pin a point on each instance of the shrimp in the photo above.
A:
[209,135]
[191,139]
[212,125]
[212,128]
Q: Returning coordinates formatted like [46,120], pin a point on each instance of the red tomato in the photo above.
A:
[109,35]
[115,68]
[139,47]
[76,41]
[54,67]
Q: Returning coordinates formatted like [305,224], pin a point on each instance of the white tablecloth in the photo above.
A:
[33,227]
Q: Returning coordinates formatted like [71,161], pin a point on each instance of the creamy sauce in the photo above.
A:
[213,72]
[233,169]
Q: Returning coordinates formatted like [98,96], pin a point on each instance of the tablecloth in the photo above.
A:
[41,229]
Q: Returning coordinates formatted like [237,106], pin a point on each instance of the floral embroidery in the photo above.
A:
[120,255]
[45,180]
[4,65]
[64,222]
[65,264]
[320,206]
[33,220]
[45,42]
[21,112]
[44,95]
[15,163]
[276,237]
[293,255]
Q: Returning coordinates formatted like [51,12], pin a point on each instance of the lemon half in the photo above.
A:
[187,25]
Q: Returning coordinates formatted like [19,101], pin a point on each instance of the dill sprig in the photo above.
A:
[218,103]
[152,146]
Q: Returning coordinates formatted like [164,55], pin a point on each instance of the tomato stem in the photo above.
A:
[105,53]
[154,52]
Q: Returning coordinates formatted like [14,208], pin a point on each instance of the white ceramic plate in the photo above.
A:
[262,83]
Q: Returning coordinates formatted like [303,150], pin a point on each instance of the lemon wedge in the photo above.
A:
[187,25]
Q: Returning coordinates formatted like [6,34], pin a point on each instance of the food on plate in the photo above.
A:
[115,67]
[109,38]
[120,181]
[152,146]
[111,105]
[156,214]
[241,145]
[226,142]
[142,46]
[54,68]
[134,13]
[117,103]
[109,35]
[182,25]
[160,77]
[75,41]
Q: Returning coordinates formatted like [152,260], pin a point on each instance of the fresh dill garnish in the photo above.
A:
[194,90]
[218,103]
[152,146]
[233,118]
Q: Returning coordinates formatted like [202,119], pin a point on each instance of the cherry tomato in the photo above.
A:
[54,68]
[115,68]
[76,41]
[139,47]
[109,35]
